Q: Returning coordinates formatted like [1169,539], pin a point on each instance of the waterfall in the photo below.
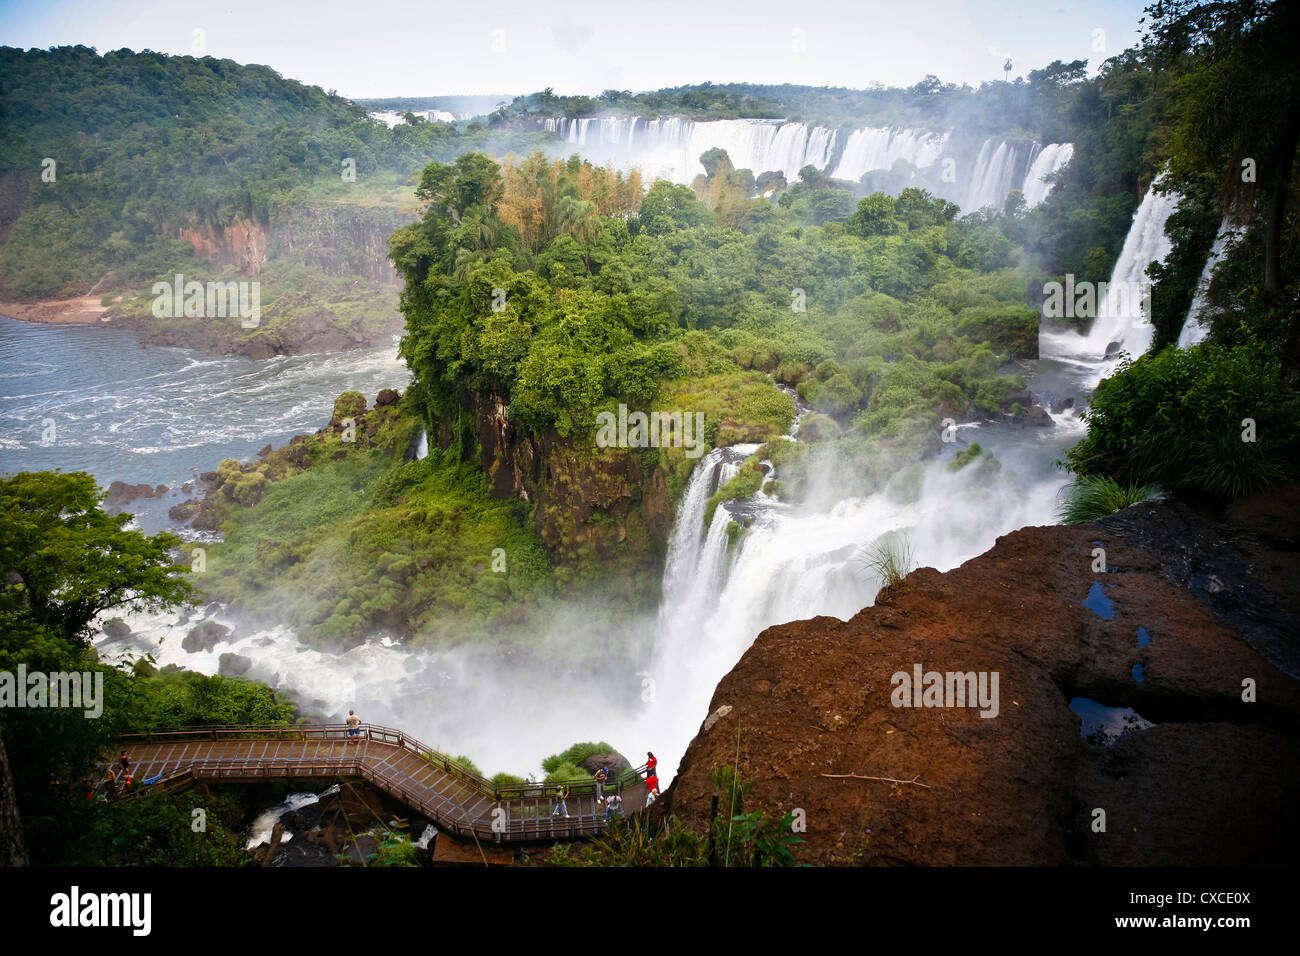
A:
[670,148]
[792,563]
[872,148]
[993,176]
[1050,159]
[1121,323]
[1194,329]
[422,449]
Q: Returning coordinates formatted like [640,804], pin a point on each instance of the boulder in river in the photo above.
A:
[121,494]
[1037,416]
[205,636]
[1061,405]
[234,665]
[116,628]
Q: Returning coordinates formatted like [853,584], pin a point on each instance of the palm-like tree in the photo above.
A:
[581,220]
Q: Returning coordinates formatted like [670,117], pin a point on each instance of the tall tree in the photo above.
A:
[64,560]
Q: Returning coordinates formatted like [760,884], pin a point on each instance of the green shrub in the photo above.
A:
[348,405]
[468,764]
[1179,419]
[965,457]
[1091,497]
[567,771]
[575,755]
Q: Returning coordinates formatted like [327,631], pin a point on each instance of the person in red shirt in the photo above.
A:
[650,765]
[652,784]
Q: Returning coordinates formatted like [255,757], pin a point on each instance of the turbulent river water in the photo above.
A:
[162,416]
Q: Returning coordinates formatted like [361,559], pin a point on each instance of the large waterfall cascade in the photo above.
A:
[1121,323]
[670,148]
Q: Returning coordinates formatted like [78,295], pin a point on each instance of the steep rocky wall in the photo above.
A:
[1211,783]
[595,509]
[242,244]
[338,239]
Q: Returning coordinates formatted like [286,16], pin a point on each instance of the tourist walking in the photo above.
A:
[601,776]
[650,764]
[561,795]
[613,807]
[126,764]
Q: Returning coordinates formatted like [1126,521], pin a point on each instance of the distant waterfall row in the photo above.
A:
[670,148]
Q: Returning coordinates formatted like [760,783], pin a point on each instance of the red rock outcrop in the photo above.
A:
[1211,783]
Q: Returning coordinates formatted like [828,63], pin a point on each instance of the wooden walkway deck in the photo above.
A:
[456,800]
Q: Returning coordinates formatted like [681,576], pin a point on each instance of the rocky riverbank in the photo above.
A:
[79,310]
[1178,660]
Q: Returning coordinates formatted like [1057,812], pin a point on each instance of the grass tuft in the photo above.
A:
[1092,497]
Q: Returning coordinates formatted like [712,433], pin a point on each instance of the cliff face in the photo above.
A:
[594,509]
[1209,783]
[338,239]
[242,244]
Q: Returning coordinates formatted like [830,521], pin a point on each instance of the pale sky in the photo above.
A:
[399,48]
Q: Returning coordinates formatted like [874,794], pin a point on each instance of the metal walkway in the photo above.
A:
[457,800]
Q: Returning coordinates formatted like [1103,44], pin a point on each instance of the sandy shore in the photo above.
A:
[83,310]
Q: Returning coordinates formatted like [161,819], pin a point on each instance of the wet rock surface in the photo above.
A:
[205,636]
[1206,785]
[1242,564]
[120,494]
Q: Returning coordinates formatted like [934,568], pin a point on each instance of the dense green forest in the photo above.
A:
[146,145]
[607,297]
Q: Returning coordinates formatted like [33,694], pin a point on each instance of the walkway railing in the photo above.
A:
[484,811]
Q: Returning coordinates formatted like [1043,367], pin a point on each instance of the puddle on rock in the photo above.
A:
[1105,725]
[1098,603]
